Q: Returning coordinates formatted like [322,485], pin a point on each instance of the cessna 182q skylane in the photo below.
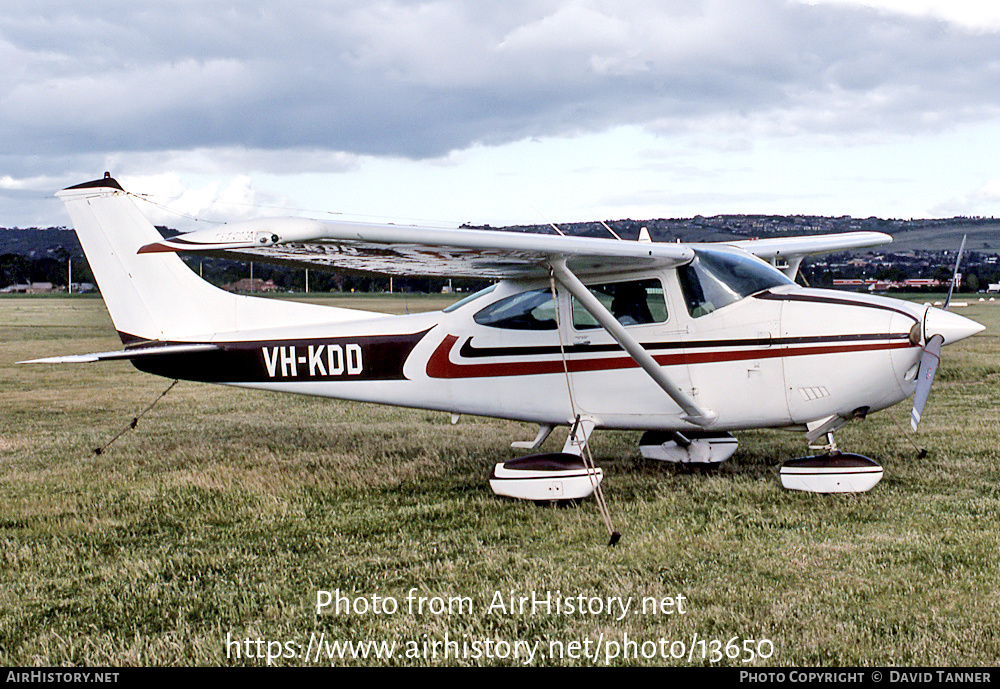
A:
[685,341]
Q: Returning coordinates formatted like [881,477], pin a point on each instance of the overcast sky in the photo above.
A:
[522,111]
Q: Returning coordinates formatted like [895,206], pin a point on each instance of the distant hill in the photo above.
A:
[38,242]
[947,236]
[920,248]
[908,235]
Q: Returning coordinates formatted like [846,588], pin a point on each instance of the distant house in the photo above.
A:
[874,285]
[248,285]
[926,282]
[33,288]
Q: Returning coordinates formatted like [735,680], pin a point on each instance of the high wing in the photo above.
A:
[410,250]
[796,247]
[793,249]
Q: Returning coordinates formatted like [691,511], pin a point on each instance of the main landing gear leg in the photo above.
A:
[579,434]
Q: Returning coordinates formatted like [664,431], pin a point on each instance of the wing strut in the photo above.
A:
[695,414]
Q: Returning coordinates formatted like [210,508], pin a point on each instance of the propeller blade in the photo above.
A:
[955,327]
[954,275]
[928,367]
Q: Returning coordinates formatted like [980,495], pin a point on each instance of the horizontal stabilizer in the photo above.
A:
[128,354]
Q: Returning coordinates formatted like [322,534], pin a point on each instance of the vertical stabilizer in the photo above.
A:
[156,296]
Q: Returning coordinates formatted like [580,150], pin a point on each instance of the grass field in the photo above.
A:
[205,536]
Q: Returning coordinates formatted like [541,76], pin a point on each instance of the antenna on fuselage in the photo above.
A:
[550,223]
[613,233]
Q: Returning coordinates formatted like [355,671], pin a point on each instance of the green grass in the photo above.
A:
[226,511]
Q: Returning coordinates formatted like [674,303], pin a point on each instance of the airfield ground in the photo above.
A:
[206,535]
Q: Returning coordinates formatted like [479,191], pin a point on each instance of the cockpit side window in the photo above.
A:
[532,310]
[714,279]
[638,302]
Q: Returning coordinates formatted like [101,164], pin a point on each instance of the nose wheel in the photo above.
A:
[832,471]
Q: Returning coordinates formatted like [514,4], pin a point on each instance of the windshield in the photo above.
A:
[718,278]
[471,297]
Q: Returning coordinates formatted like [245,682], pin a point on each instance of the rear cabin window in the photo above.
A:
[638,302]
[532,310]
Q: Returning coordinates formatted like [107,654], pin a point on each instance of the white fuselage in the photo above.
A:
[781,358]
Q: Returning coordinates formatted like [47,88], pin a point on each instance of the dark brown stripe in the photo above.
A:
[439,365]
[814,298]
[470,351]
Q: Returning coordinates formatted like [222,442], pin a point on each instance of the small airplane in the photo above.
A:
[687,342]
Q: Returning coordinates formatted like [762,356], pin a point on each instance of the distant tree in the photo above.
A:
[891,273]
[14,269]
[943,274]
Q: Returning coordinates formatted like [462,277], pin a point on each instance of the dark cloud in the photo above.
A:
[417,79]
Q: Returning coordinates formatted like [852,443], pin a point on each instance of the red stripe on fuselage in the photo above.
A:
[440,365]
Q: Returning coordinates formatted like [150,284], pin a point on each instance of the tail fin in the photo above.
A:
[156,296]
